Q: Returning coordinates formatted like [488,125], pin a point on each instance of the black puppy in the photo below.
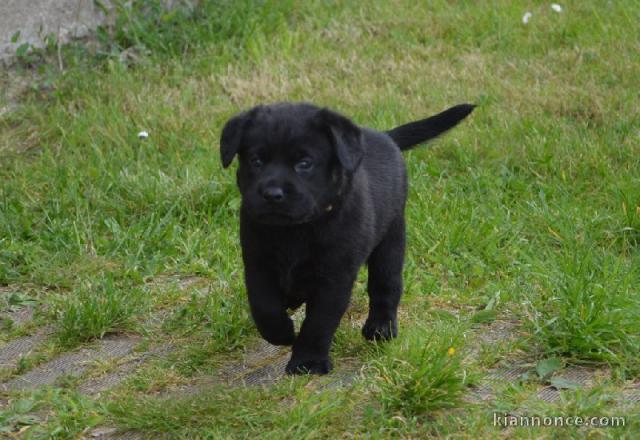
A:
[320,197]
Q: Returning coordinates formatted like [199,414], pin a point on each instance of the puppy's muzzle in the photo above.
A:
[272,194]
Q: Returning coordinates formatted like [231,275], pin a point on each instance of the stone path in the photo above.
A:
[498,378]
[262,365]
[18,348]
[124,369]
[71,364]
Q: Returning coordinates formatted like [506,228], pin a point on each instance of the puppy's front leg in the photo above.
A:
[325,307]
[267,305]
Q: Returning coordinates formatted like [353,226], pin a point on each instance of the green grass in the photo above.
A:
[588,311]
[29,414]
[223,319]
[528,211]
[287,411]
[95,310]
[421,373]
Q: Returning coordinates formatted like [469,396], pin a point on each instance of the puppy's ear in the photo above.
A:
[232,133]
[345,136]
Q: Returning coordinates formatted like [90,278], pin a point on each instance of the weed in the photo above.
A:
[67,414]
[18,416]
[422,372]
[96,309]
[588,310]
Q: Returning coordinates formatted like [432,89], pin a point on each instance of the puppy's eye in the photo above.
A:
[256,162]
[303,165]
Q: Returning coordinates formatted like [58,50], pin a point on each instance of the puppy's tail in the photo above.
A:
[418,132]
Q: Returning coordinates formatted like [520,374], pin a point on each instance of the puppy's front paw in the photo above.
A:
[285,338]
[314,366]
[379,330]
[278,332]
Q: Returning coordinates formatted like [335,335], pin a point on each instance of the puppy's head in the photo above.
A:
[295,160]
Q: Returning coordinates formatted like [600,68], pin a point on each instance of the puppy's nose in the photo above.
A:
[273,194]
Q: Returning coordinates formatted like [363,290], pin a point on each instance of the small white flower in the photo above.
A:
[556,7]
[526,17]
[143,135]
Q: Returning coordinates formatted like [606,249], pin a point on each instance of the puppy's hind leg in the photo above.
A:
[385,283]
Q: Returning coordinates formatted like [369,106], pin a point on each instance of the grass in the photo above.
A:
[224,320]
[421,374]
[95,310]
[29,414]
[285,412]
[588,311]
[529,211]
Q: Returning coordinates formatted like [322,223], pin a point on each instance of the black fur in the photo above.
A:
[409,135]
[321,196]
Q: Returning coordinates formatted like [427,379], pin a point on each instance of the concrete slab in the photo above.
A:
[96,385]
[36,19]
[11,352]
[72,364]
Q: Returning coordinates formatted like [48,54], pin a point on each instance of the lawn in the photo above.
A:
[523,256]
